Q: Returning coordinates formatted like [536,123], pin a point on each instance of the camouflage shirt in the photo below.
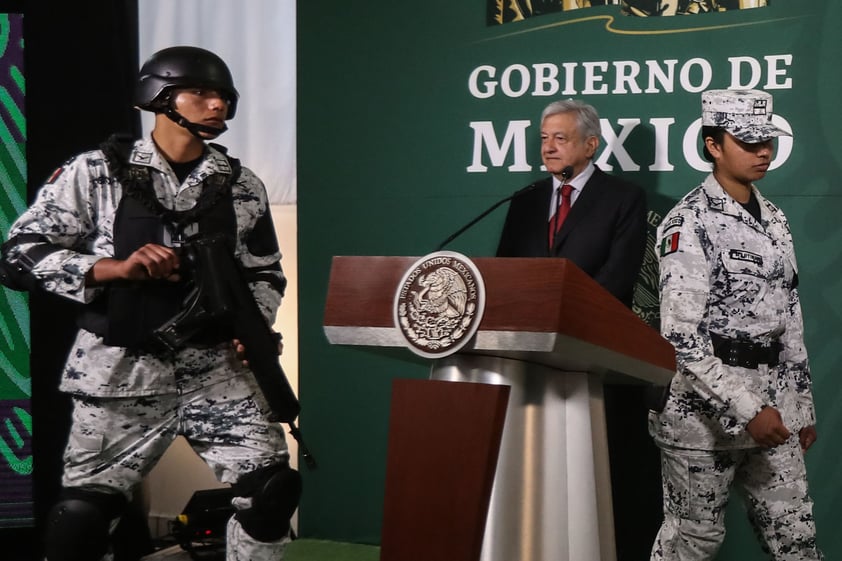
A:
[75,209]
[723,272]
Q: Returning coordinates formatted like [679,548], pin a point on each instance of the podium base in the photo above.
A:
[444,441]
[551,496]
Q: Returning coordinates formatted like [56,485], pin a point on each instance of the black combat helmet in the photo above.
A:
[182,67]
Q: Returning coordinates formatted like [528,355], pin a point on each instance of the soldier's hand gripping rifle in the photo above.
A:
[221,296]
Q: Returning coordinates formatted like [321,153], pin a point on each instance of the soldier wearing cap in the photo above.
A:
[739,410]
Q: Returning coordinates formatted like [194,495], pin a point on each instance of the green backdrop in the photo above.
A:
[402,104]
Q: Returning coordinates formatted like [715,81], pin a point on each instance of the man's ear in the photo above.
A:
[592,143]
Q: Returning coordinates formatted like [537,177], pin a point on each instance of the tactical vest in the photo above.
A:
[128,312]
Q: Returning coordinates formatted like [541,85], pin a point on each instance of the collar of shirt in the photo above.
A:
[145,153]
[773,222]
[720,201]
[578,184]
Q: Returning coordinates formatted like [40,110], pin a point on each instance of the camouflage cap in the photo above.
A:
[746,114]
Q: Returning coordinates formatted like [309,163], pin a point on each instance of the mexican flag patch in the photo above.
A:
[56,174]
[670,244]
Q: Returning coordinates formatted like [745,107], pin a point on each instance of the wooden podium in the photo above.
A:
[553,336]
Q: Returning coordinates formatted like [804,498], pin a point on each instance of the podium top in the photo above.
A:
[542,310]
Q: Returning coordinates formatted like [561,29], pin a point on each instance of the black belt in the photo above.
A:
[747,354]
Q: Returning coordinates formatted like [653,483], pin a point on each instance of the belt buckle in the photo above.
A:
[734,355]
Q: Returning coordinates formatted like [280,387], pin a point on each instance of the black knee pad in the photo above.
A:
[78,525]
[275,492]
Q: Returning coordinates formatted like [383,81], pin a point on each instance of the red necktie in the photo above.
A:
[561,213]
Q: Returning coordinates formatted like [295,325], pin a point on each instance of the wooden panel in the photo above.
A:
[444,439]
[361,290]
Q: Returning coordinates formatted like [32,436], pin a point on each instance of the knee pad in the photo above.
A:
[78,525]
[274,492]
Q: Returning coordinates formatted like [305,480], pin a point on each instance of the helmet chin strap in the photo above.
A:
[194,128]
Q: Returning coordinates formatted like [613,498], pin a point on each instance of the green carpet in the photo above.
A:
[318,550]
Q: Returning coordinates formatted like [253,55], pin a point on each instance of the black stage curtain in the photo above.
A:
[80,63]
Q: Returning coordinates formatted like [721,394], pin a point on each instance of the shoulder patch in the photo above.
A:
[670,243]
[139,157]
[674,222]
[55,175]
[223,165]
[716,203]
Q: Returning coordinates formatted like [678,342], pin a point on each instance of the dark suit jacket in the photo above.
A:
[604,233]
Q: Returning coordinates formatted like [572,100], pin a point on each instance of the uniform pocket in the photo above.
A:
[696,483]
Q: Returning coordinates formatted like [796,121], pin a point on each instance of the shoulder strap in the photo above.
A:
[236,166]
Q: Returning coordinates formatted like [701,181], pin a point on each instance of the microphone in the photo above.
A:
[461,230]
[566,173]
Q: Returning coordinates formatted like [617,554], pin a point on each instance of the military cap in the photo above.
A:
[746,114]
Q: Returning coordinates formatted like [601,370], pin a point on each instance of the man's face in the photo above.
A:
[562,144]
[740,161]
[202,106]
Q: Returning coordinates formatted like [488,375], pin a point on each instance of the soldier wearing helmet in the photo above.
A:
[172,70]
[105,231]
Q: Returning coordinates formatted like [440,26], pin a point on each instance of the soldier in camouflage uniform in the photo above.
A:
[739,409]
[95,230]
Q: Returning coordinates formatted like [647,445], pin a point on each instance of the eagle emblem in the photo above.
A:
[438,305]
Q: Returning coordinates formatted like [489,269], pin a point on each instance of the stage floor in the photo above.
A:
[298,550]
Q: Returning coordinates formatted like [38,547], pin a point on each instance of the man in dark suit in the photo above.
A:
[604,233]
[602,229]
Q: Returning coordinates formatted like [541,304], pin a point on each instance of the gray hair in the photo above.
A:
[587,118]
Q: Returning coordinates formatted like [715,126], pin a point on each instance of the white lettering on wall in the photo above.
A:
[627,73]
[623,77]
[513,146]
[486,88]
[485,137]
[687,74]
[522,79]
[495,148]
[546,79]
[662,130]
[664,76]
[738,65]
[614,145]
[747,72]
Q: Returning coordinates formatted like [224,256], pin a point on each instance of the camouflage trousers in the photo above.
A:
[114,442]
[773,483]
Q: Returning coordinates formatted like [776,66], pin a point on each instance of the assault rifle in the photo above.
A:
[221,297]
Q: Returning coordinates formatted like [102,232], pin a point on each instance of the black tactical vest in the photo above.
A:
[128,312]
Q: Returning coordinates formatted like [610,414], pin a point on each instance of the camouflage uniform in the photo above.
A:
[722,272]
[129,406]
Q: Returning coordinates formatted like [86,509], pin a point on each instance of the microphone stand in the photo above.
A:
[461,230]
[566,173]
